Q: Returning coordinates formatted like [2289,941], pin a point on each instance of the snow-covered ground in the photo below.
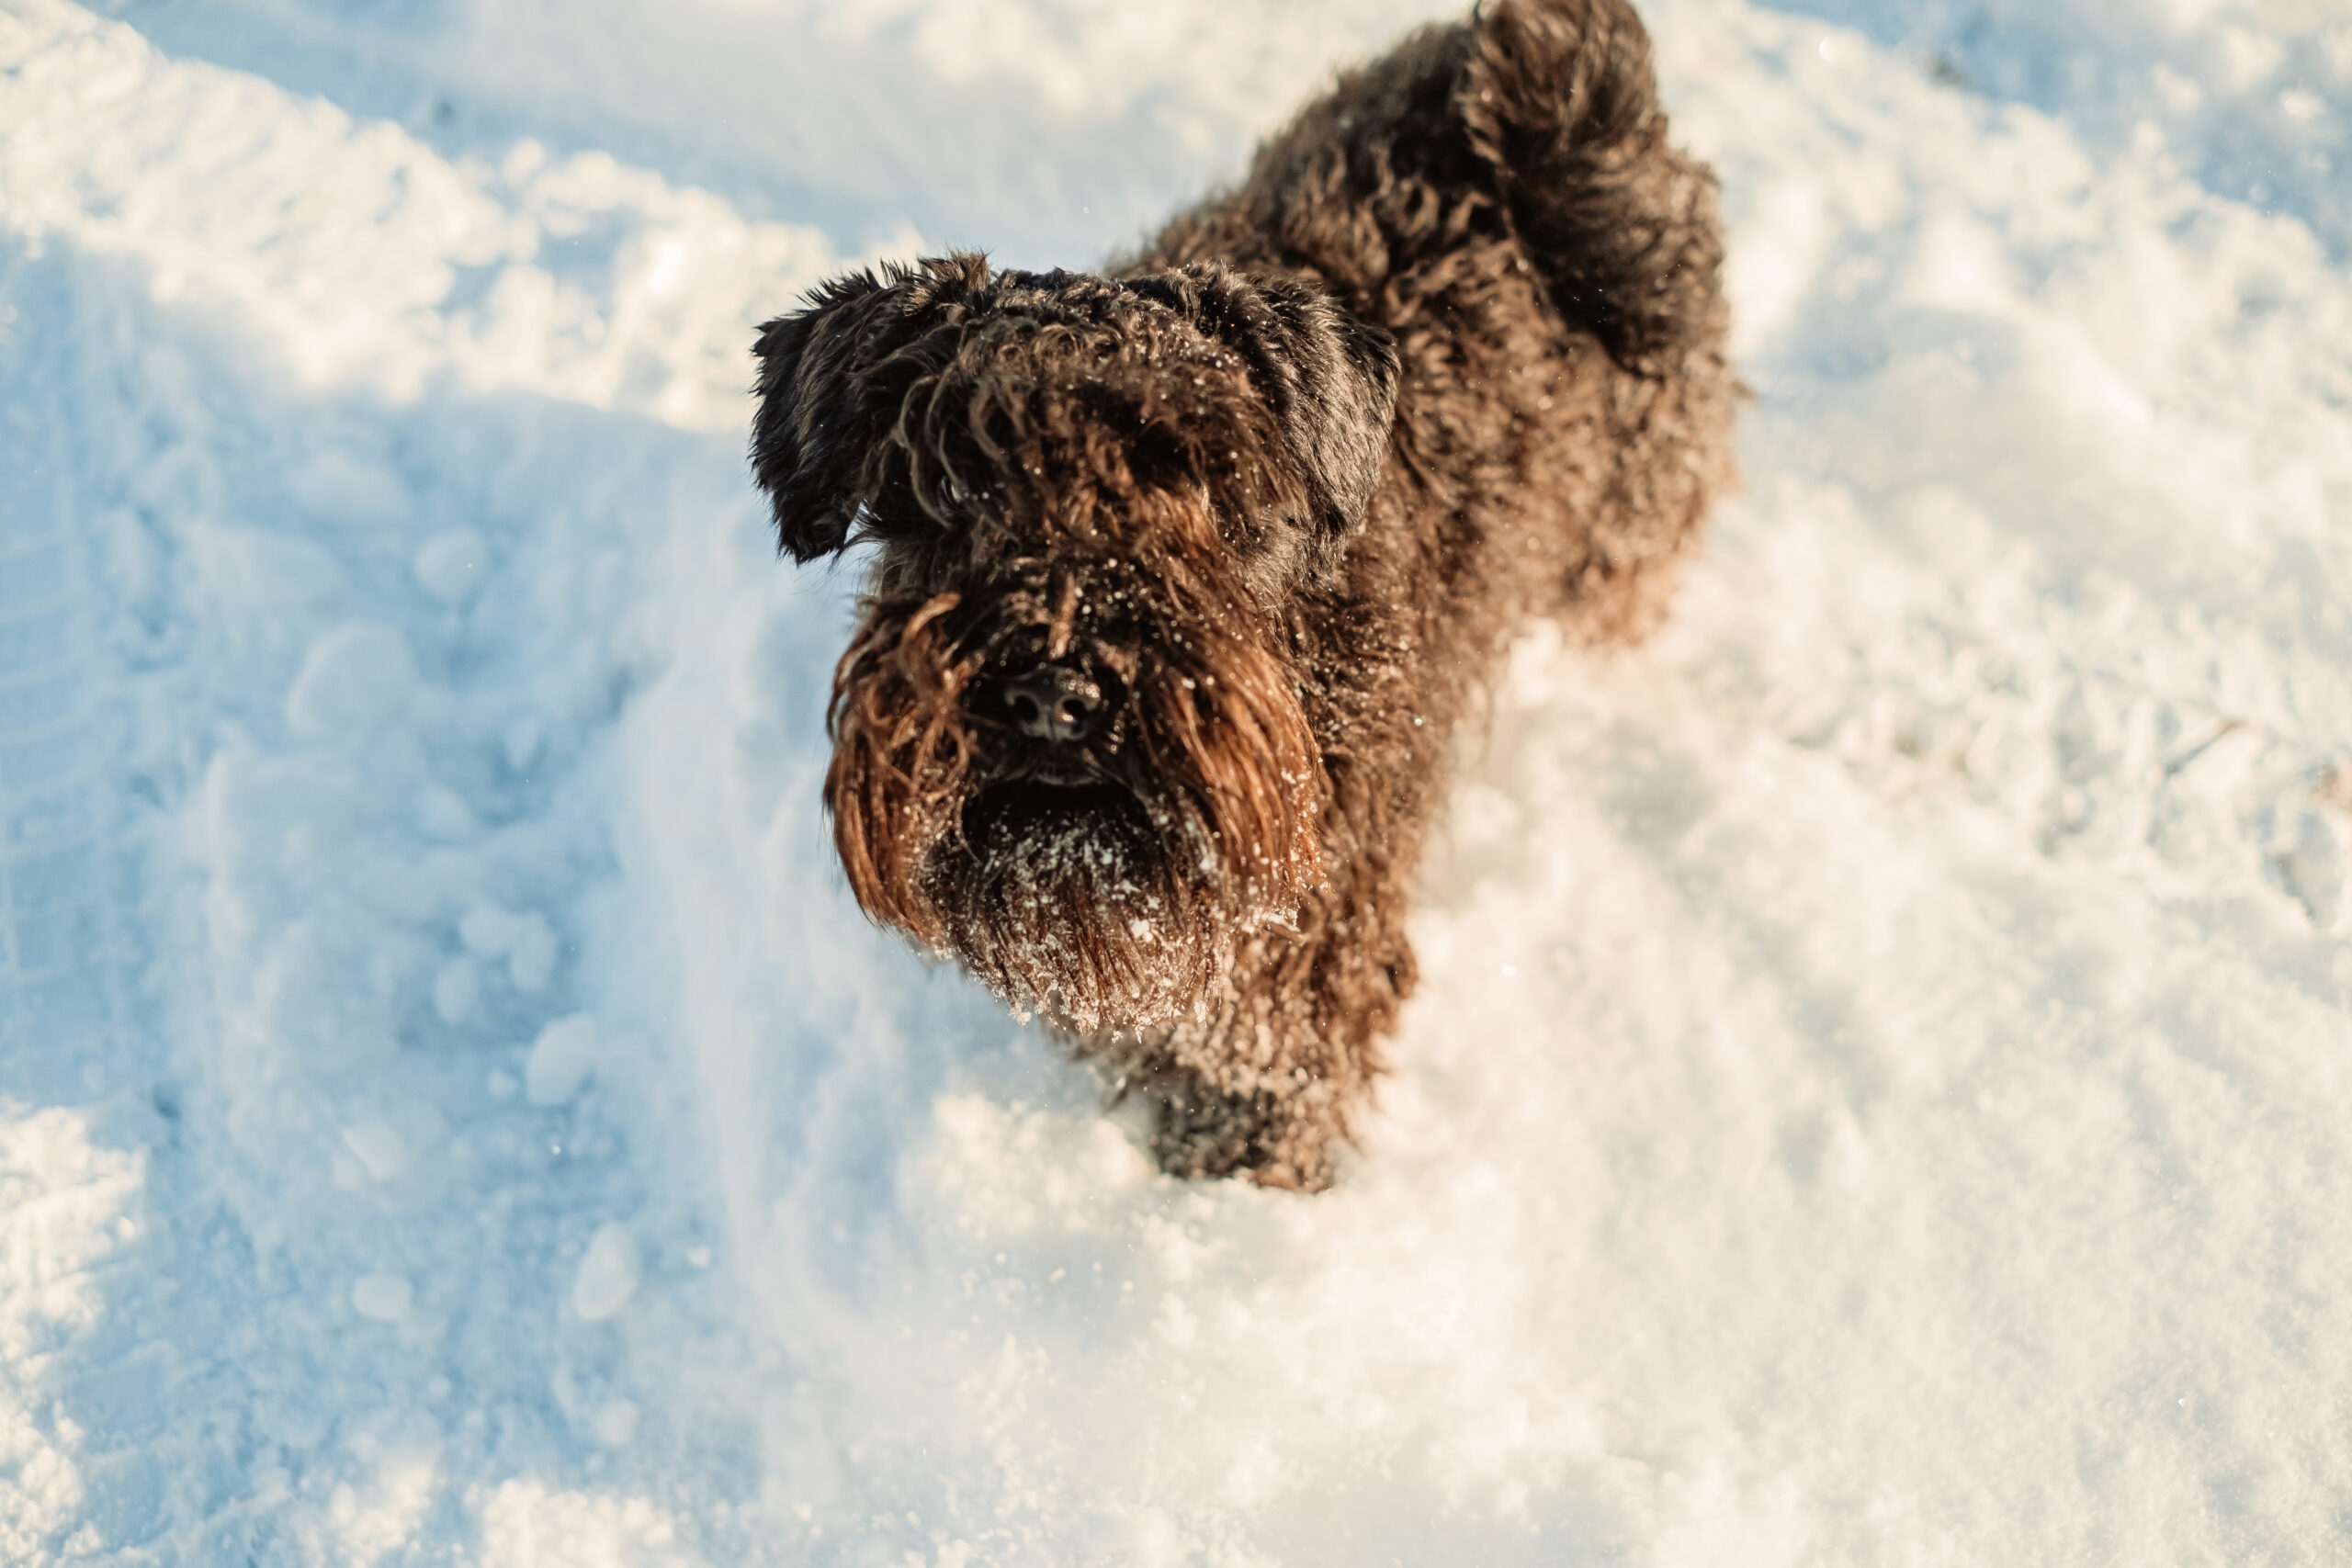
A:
[1882,1087]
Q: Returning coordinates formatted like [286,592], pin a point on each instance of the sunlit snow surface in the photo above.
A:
[1882,1090]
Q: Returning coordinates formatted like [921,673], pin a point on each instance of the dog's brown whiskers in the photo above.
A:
[1057,630]
[900,756]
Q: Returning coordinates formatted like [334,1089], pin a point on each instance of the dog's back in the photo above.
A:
[1500,193]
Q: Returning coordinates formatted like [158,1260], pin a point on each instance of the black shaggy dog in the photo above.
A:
[1186,573]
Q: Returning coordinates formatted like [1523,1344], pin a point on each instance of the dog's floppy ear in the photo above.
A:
[832,376]
[1331,378]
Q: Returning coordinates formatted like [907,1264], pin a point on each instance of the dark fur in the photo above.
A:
[1278,489]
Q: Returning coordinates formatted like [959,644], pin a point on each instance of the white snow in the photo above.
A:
[608,1275]
[1882,1090]
[560,1060]
[383,1297]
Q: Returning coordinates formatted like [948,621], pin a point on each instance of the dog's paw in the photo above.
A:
[1284,1140]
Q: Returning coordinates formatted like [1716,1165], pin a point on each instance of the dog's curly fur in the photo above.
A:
[1259,509]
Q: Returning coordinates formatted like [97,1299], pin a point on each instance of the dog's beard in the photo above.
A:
[1113,904]
[1068,899]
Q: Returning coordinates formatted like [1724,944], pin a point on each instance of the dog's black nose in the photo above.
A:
[1054,703]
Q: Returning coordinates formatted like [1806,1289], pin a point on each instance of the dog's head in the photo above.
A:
[1069,738]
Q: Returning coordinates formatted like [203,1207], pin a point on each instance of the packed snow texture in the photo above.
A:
[1882,1087]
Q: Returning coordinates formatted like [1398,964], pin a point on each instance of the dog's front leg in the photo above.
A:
[1277,1072]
